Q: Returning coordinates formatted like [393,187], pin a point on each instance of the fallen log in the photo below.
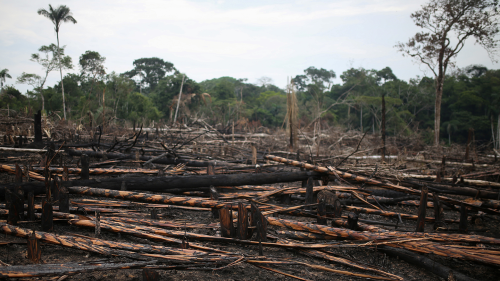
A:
[141,248]
[481,183]
[99,171]
[40,270]
[450,251]
[341,233]
[160,234]
[280,272]
[391,214]
[164,160]
[424,262]
[454,189]
[147,197]
[333,171]
[12,170]
[330,257]
[300,235]
[177,183]
[67,242]
[318,267]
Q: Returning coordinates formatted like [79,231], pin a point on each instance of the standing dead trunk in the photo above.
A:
[103,109]
[60,72]
[383,128]
[498,132]
[179,100]
[292,114]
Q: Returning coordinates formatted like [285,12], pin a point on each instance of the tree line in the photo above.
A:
[150,91]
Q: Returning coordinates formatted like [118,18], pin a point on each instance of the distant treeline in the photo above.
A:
[471,99]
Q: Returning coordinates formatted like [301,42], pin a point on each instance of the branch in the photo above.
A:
[357,148]
[333,104]
[424,62]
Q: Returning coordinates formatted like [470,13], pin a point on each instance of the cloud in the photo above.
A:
[178,44]
[207,39]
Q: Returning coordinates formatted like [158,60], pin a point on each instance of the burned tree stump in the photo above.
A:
[55,186]
[84,174]
[332,203]
[34,252]
[47,216]
[65,174]
[421,210]
[352,221]
[38,127]
[321,210]
[438,212]
[242,222]
[19,174]
[64,200]
[12,205]
[261,227]
[150,275]
[226,222]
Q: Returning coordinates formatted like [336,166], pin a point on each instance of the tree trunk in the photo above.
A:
[60,72]
[437,106]
[179,100]
[383,128]
[498,132]
[361,118]
[43,101]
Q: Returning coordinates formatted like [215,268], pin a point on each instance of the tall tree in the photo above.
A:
[49,60]
[447,25]
[57,16]
[150,70]
[4,73]
[92,64]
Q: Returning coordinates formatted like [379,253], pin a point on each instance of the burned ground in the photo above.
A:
[330,251]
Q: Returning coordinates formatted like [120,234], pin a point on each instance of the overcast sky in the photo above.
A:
[210,39]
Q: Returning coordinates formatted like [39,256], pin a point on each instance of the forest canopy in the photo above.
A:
[150,92]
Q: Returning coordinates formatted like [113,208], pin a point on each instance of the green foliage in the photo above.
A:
[13,99]
[140,108]
[4,73]
[150,71]
[209,85]
[470,98]
[92,64]
[166,92]
[58,15]
[271,109]
[223,90]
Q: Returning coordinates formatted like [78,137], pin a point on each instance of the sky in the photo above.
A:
[211,39]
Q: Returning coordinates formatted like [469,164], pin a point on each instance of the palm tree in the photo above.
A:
[4,74]
[59,15]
